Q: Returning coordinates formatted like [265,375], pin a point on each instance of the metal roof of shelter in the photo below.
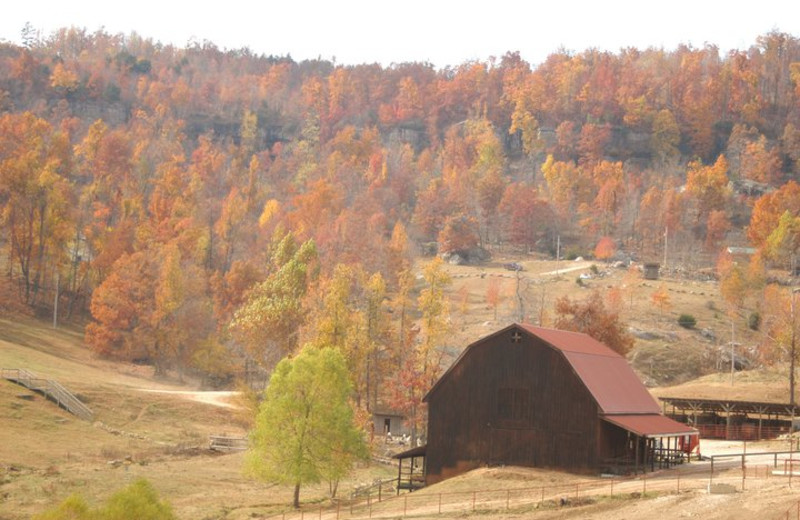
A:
[654,425]
[721,405]
[419,451]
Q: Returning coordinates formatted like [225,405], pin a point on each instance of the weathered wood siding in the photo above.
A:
[508,402]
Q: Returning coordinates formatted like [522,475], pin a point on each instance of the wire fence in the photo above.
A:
[386,503]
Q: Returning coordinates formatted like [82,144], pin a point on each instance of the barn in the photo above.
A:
[539,397]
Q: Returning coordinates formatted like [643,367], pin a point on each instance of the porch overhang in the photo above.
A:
[650,426]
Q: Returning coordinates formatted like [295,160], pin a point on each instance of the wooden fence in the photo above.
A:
[51,389]
[373,504]
[227,443]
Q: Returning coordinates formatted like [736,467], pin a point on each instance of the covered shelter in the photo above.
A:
[539,397]
[411,469]
[733,420]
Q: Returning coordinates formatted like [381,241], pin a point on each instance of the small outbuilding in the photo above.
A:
[538,397]
[650,271]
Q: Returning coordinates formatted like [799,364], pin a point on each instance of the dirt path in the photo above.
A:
[581,266]
[214,398]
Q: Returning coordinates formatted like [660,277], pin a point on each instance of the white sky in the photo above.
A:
[442,32]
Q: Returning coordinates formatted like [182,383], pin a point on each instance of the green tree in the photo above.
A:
[305,430]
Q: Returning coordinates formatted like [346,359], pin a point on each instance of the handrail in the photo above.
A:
[51,389]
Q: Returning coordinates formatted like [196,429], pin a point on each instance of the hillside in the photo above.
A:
[664,352]
[156,192]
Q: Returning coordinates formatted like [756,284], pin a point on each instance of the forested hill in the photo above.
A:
[165,188]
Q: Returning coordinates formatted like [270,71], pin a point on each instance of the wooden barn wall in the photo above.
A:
[466,429]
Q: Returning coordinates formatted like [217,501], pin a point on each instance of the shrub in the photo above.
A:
[593,268]
[138,501]
[687,321]
[754,321]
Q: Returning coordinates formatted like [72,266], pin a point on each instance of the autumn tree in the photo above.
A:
[761,163]
[661,299]
[151,307]
[420,365]
[666,137]
[494,295]
[605,248]
[305,430]
[37,198]
[783,243]
[782,330]
[717,226]
[769,208]
[591,316]
[350,317]
[459,234]
[268,322]
[527,217]
[709,187]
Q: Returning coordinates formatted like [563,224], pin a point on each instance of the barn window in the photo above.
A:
[512,404]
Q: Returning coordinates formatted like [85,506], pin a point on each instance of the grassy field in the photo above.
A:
[46,454]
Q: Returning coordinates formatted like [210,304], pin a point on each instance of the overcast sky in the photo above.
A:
[442,32]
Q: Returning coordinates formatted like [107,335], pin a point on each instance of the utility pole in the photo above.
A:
[733,343]
[792,352]
[55,302]
[558,253]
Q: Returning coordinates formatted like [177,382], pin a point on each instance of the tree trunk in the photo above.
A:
[296,502]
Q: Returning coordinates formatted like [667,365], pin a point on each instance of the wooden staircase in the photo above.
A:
[52,390]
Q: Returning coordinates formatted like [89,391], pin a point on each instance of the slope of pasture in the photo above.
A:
[46,454]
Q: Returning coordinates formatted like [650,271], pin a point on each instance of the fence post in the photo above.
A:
[369,504]
[679,481]
[711,475]
[440,503]
[612,487]
[380,489]
[644,483]
[508,499]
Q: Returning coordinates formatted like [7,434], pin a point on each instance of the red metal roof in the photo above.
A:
[650,425]
[607,375]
